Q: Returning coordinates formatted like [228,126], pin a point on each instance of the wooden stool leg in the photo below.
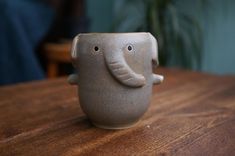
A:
[52,69]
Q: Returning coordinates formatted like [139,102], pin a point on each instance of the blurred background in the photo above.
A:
[36,35]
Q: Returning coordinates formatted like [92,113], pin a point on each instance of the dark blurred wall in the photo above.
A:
[70,20]
[100,15]
[217,18]
[219,35]
[23,23]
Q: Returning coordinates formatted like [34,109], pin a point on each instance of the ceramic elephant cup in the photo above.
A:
[114,75]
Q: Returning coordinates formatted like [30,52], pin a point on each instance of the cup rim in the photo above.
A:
[113,33]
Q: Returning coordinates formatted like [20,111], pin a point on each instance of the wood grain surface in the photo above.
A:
[191,114]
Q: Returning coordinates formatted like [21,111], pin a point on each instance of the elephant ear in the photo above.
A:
[154,49]
[118,67]
[74,53]
[73,78]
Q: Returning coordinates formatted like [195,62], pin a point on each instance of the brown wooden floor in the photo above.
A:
[190,114]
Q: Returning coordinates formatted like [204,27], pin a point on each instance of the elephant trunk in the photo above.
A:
[121,71]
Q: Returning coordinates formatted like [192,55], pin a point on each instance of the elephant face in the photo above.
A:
[120,52]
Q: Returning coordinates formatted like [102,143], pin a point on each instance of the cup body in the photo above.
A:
[102,60]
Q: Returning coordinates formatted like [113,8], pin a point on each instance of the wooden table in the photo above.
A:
[191,114]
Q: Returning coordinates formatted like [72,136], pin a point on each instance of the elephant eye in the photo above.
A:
[129,47]
[96,48]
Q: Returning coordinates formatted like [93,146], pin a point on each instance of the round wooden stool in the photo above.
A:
[56,53]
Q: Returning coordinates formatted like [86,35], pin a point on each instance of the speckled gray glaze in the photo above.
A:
[114,76]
